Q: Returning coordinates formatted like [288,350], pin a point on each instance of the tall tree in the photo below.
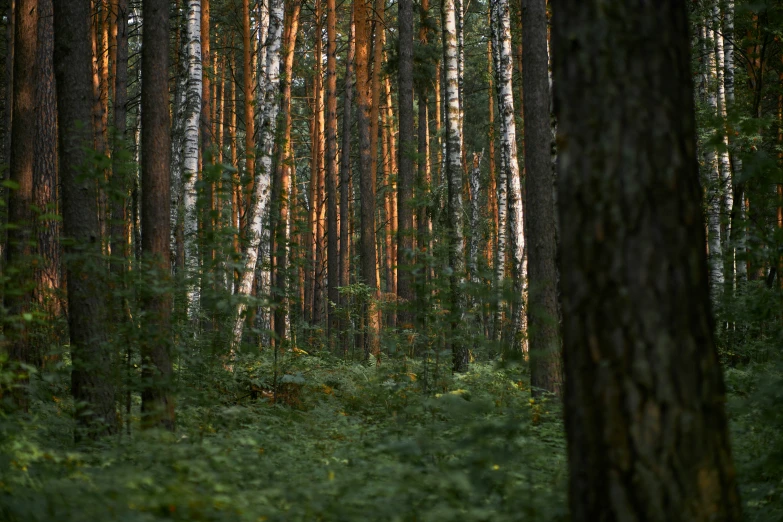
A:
[332,259]
[247,71]
[47,280]
[119,239]
[645,421]
[191,151]
[542,308]
[91,383]
[345,174]
[157,405]
[262,183]
[460,352]
[368,250]
[20,202]
[405,175]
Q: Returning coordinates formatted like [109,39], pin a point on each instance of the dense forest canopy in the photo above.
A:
[370,260]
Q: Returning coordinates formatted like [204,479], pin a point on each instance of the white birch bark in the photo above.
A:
[738,235]
[454,177]
[715,185]
[263,35]
[727,188]
[500,21]
[177,143]
[502,195]
[264,171]
[190,152]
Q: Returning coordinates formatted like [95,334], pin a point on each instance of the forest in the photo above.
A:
[412,260]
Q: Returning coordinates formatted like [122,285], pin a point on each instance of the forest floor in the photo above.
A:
[344,441]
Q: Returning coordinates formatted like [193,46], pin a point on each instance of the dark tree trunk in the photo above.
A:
[91,383]
[333,262]
[20,201]
[47,280]
[345,176]
[406,149]
[120,184]
[543,314]
[644,395]
[156,402]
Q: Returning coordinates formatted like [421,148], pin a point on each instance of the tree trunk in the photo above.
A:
[345,176]
[645,421]
[157,404]
[333,262]
[263,180]
[714,187]
[459,350]
[542,307]
[367,179]
[191,155]
[91,383]
[285,166]
[250,153]
[119,236]
[20,201]
[405,175]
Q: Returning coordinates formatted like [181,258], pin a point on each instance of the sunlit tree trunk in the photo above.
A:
[285,167]
[644,397]
[91,383]
[263,180]
[460,351]
[367,179]
[250,152]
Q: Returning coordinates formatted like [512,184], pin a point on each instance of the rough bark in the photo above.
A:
[714,188]
[543,312]
[157,404]
[333,261]
[120,184]
[366,178]
[22,161]
[91,383]
[406,173]
[45,182]
[345,176]
[645,421]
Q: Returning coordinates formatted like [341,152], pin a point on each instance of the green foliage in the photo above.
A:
[362,440]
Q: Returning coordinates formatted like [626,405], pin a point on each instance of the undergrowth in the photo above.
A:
[332,441]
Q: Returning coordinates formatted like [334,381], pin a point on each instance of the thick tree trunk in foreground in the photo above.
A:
[542,310]
[645,421]
[157,405]
[91,383]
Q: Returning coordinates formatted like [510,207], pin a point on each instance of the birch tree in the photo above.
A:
[501,34]
[714,177]
[263,179]
[191,152]
[454,180]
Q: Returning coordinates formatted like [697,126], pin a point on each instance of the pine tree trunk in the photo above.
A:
[333,262]
[119,236]
[20,201]
[345,184]
[367,179]
[543,312]
[250,152]
[644,397]
[45,179]
[406,173]
[91,383]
